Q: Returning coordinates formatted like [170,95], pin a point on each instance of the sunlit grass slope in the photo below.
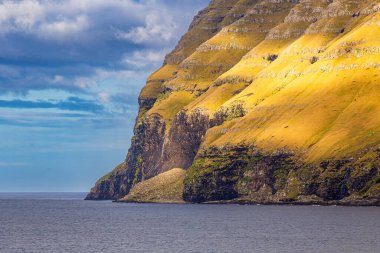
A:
[232,82]
[321,97]
[305,73]
[254,19]
[205,25]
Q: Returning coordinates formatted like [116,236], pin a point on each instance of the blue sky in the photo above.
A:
[70,75]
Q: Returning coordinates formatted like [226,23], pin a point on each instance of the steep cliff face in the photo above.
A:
[270,101]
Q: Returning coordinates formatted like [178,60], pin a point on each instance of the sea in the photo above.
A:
[64,222]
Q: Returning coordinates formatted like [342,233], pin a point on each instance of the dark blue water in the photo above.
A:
[66,223]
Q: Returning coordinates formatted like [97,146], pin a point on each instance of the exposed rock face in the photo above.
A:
[243,174]
[111,186]
[141,162]
[230,172]
[184,139]
[264,101]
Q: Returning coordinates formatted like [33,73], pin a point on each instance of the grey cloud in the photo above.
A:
[73,39]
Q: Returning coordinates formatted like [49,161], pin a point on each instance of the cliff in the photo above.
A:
[271,101]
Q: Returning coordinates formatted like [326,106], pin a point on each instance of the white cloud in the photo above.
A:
[58,19]
[104,77]
[40,18]
[20,15]
[64,27]
[84,82]
[104,97]
[153,20]
[143,58]
[159,27]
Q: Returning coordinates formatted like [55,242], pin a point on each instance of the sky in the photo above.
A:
[70,75]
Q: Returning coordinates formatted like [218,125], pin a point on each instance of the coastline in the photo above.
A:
[357,203]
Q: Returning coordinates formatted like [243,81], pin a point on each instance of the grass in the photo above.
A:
[164,188]
[299,105]
[171,104]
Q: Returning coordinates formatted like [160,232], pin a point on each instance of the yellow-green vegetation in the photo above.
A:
[164,188]
[225,49]
[327,106]
[171,104]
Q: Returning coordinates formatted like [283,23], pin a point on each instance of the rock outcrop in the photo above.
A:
[264,101]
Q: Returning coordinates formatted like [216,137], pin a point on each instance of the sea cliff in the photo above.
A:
[271,102]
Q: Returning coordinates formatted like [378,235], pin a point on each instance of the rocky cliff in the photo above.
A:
[271,101]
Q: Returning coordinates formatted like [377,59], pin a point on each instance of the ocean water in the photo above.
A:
[65,223]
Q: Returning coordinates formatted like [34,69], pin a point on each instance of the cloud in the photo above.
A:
[158,28]
[20,15]
[12,164]
[56,118]
[140,19]
[41,17]
[65,44]
[104,97]
[144,58]
[71,104]
[108,78]
[64,27]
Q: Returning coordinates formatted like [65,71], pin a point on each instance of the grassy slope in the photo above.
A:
[221,52]
[328,109]
[282,34]
[204,26]
[164,188]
